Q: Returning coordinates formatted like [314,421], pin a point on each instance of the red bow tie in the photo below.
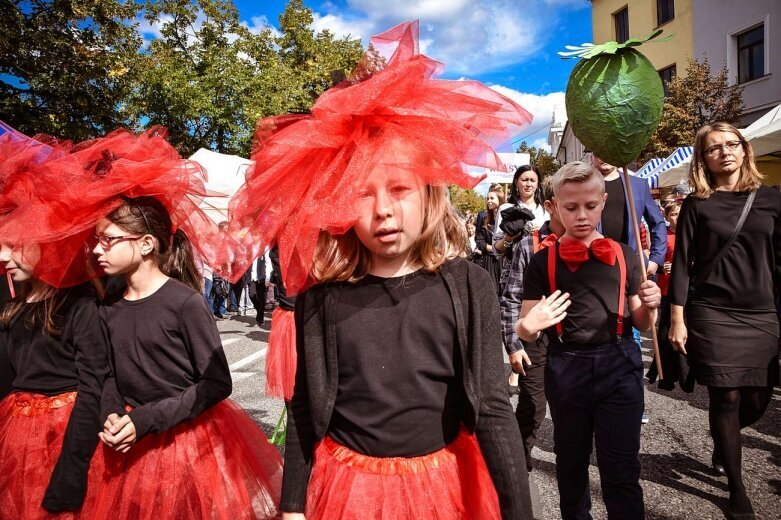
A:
[575,252]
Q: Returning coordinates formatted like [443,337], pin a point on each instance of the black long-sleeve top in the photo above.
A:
[73,360]
[746,276]
[487,409]
[390,330]
[167,360]
[484,235]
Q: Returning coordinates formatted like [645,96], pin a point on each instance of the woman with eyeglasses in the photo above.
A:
[723,315]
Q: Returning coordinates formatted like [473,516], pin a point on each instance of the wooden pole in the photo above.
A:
[10,285]
[643,272]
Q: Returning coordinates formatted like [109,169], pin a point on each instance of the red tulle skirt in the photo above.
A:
[32,427]
[452,483]
[281,357]
[218,466]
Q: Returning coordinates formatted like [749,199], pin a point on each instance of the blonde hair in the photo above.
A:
[343,258]
[576,171]
[703,181]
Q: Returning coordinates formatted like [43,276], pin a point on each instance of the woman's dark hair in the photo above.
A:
[146,215]
[515,195]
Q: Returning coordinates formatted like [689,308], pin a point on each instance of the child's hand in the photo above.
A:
[668,267]
[119,434]
[548,312]
[517,360]
[650,295]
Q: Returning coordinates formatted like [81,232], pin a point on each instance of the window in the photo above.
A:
[622,25]
[751,54]
[667,74]
[665,11]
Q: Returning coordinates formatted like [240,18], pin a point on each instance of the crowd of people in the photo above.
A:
[386,344]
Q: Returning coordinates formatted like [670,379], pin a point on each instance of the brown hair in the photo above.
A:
[547,188]
[147,216]
[490,216]
[670,207]
[342,258]
[703,181]
[576,171]
[45,311]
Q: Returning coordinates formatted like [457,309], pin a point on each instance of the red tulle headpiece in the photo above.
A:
[309,168]
[52,196]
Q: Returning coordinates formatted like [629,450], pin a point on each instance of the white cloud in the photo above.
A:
[469,36]
[342,27]
[541,107]
[258,24]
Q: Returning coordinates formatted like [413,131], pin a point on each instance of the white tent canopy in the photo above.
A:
[764,134]
[226,174]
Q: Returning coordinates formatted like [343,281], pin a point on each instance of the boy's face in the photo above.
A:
[580,205]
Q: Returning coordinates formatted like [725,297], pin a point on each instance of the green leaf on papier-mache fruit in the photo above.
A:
[614,99]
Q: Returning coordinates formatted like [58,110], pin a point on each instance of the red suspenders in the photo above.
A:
[552,254]
[536,240]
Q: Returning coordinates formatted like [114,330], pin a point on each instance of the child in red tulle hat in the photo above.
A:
[399,408]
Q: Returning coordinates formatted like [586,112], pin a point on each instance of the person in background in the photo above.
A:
[486,225]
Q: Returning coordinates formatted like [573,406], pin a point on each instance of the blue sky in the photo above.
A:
[508,44]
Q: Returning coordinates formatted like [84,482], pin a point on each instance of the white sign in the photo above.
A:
[511,163]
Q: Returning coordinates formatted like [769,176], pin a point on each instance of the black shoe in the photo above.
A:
[219,315]
[717,463]
[740,507]
[513,389]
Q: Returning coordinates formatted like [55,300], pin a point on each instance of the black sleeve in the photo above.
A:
[497,429]
[685,247]
[6,371]
[300,440]
[68,482]
[535,281]
[202,339]
[111,400]
[483,238]
[777,253]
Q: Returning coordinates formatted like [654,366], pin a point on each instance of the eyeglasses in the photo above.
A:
[106,241]
[713,151]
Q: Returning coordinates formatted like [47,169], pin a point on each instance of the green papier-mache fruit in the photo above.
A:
[614,99]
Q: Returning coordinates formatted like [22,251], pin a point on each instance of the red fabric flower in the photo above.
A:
[309,168]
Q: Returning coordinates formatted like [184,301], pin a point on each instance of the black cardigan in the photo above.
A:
[488,412]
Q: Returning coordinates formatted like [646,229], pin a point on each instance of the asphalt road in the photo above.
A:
[675,450]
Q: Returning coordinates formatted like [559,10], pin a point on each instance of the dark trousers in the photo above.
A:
[530,412]
[597,392]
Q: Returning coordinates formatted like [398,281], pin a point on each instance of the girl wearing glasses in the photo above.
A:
[723,315]
[178,446]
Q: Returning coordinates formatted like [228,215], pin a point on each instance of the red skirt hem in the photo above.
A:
[218,466]
[450,484]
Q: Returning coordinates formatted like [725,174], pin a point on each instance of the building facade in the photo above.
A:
[747,37]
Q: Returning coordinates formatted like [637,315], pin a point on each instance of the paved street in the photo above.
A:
[675,449]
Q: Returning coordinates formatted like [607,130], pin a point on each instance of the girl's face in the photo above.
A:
[719,155]
[492,200]
[470,230]
[19,262]
[580,205]
[117,250]
[527,184]
[672,218]
[390,214]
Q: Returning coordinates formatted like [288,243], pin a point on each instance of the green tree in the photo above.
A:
[466,200]
[698,99]
[545,163]
[67,67]
[208,78]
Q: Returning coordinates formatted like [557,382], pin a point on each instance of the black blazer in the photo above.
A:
[488,412]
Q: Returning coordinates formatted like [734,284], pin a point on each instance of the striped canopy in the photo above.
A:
[678,157]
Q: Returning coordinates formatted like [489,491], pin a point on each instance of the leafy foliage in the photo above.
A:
[79,69]
[465,200]
[589,50]
[698,99]
[545,163]
[208,78]
[67,67]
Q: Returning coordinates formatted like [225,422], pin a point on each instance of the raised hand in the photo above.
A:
[546,313]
